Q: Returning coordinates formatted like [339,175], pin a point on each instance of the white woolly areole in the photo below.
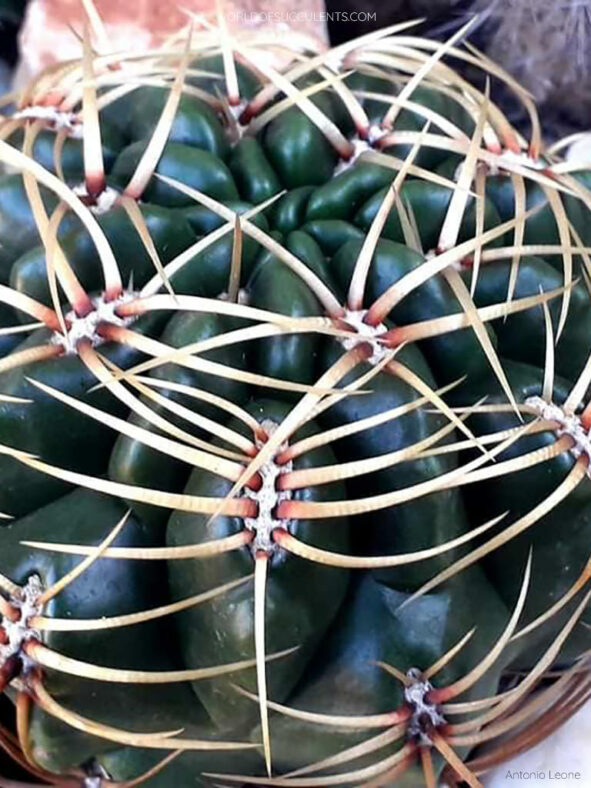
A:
[19,632]
[54,118]
[415,694]
[103,203]
[267,497]
[375,133]
[86,327]
[360,146]
[366,334]
[570,424]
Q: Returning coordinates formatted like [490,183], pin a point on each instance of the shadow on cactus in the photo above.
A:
[294,433]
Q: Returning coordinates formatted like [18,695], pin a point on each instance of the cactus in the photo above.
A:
[293,427]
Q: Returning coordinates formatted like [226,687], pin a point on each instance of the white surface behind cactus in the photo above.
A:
[567,750]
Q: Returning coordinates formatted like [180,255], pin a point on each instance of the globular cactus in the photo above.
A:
[294,440]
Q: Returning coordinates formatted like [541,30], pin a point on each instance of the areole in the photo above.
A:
[267,498]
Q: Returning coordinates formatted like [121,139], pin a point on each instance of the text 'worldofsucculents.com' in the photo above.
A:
[302,16]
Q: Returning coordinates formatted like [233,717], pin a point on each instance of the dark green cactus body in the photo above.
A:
[50,429]
[170,233]
[224,631]
[195,123]
[59,746]
[132,462]
[370,631]
[17,223]
[71,159]
[198,168]
[564,532]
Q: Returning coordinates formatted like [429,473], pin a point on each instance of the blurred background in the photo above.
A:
[11,16]
[545,44]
